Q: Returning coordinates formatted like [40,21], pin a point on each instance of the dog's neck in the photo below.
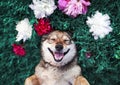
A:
[45,64]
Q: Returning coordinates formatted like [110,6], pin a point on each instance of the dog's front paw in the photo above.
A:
[32,80]
[81,81]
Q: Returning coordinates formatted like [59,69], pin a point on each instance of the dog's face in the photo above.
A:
[57,48]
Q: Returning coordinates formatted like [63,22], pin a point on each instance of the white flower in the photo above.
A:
[99,25]
[43,8]
[24,30]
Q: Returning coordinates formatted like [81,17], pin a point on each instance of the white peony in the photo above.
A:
[24,30]
[99,25]
[43,8]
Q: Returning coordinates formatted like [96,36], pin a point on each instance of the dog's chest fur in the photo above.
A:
[51,75]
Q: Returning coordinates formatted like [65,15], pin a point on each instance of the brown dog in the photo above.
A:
[59,62]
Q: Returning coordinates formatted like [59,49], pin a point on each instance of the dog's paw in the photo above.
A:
[32,80]
[81,81]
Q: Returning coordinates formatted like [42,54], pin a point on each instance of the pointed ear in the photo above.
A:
[44,37]
[69,33]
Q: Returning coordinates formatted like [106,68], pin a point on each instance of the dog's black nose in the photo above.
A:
[59,47]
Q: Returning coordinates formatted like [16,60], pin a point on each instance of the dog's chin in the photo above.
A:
[58,55]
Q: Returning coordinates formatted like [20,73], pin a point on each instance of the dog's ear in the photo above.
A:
[44,37]
[69,33]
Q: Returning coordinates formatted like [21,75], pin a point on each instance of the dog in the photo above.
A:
[58,65]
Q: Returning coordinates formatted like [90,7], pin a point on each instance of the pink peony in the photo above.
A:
[75,7]
[62,4]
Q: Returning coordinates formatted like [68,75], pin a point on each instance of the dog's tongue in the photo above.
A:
[58,55]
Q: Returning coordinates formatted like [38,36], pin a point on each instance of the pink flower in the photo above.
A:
[76,7]
[18,50]
[88,54]
[62,4]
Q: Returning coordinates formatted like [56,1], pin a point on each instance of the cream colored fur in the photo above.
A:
[54,76]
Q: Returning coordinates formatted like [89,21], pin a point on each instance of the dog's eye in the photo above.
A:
[51,40]
[67,41]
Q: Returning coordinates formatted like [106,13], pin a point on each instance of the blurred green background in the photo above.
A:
[102,68]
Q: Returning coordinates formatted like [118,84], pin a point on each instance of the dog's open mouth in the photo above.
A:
[58,56]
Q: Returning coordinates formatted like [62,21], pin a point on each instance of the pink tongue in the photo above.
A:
[58,56]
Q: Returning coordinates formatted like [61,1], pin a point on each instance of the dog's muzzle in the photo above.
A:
[58,55]
[59,47]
